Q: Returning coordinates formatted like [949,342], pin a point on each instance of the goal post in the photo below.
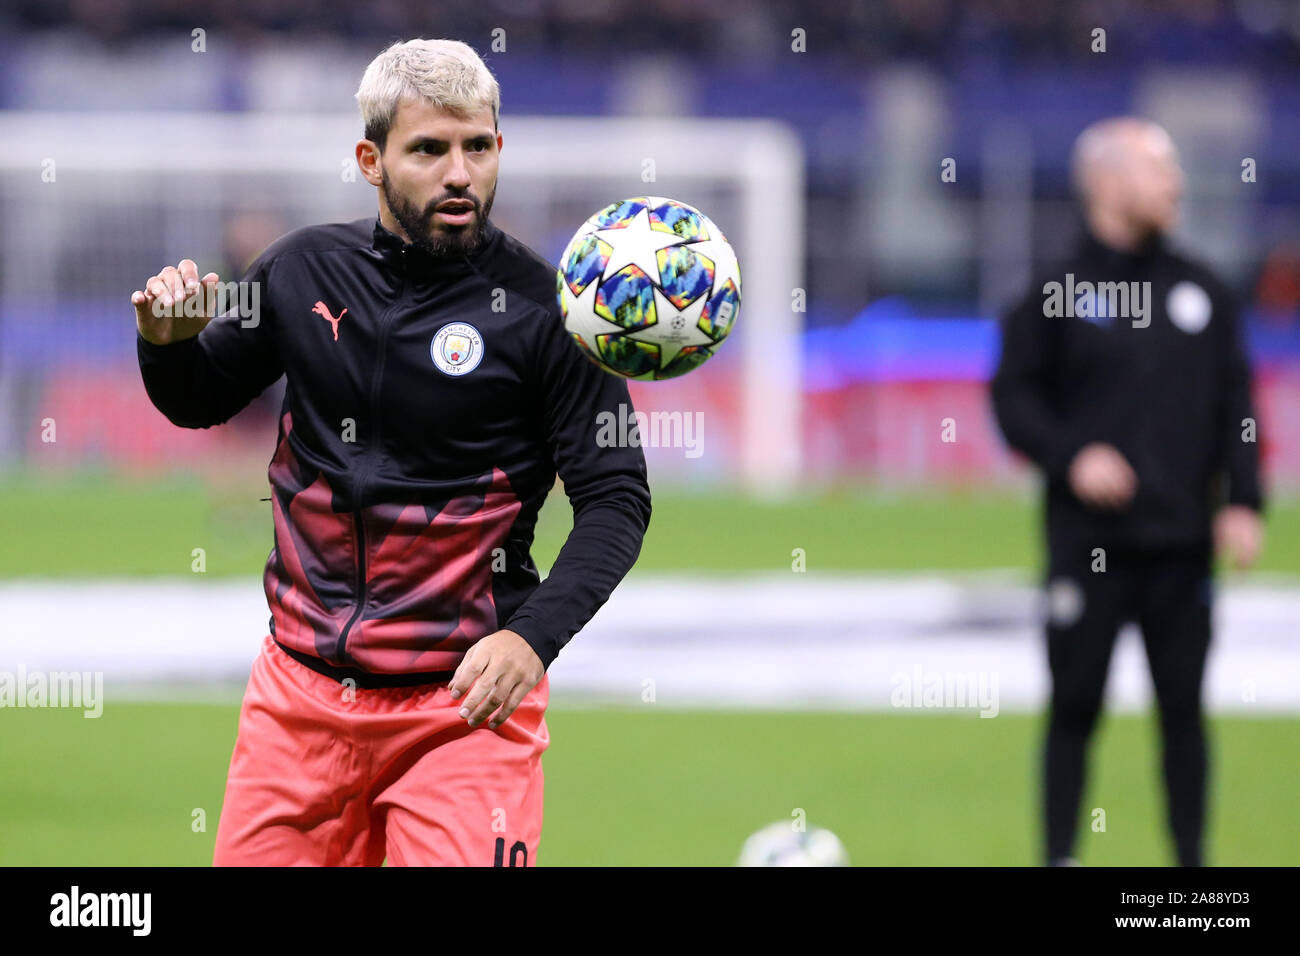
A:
[117,190]
[762,162]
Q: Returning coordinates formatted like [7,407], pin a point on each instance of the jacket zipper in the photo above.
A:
[360,589]
[362,586]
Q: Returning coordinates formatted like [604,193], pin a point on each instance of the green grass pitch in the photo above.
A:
[97,525]
[646,786]
[636,787]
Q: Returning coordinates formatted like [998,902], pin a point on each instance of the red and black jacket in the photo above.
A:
[412,459]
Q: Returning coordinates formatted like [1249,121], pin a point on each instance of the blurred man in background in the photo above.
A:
[1123,377]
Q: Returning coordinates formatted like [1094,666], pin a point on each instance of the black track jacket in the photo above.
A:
[429,405]
[1172,393]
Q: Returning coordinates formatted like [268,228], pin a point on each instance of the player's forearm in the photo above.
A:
[1032,429]
[182,384]
[1240,429]
[600,550]
[1244,485]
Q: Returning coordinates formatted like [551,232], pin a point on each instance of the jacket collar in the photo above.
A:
[1094,250]
[410,257]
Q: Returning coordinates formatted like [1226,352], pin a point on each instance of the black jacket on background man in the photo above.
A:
[1171,393]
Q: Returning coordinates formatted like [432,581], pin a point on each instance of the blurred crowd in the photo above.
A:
[957,69]
[860,31]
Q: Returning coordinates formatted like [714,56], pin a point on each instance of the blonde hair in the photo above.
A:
[447,73]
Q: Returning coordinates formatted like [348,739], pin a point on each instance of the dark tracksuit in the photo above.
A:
[1171,391]
[429,406]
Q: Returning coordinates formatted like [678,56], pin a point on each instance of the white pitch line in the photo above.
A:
[763,641]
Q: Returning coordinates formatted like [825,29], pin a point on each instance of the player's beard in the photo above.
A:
[447,242]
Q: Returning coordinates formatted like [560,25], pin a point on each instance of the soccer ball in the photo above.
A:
[648,288]
[780,844]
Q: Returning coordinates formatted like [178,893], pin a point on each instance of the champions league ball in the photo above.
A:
[649,288]
[780,844]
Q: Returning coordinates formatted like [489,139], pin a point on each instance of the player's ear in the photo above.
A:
[499,141]
[368,160]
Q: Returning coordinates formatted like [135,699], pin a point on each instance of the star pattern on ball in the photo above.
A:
[636,244]
[584,305]
[720,254]
[669,315]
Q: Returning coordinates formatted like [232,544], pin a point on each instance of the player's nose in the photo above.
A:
[457,175]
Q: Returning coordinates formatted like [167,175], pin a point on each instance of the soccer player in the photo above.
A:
[1124,378]
[396,708]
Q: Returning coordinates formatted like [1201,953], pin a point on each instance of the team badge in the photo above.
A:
[457,349]
[1094,308]
[1189,307]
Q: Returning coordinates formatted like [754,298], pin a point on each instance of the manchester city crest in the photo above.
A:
[457,348]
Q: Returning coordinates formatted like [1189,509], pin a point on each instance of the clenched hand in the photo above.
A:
[1101,476]
[175,304]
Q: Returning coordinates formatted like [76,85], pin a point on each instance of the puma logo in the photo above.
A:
[321,309]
